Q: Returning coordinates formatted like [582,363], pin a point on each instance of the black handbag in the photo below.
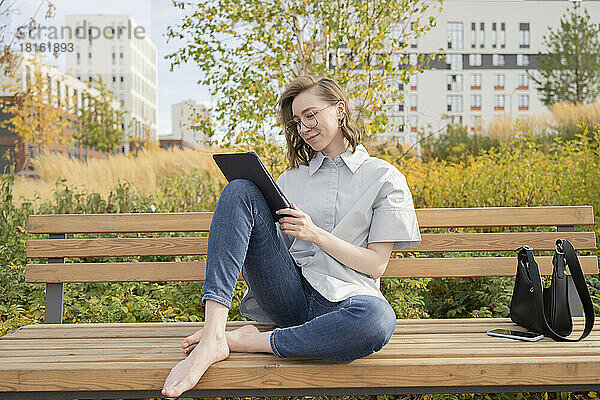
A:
[546,310]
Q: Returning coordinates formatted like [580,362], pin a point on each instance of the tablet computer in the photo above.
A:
[249,166]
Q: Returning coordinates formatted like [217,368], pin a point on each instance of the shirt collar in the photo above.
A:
[352,160]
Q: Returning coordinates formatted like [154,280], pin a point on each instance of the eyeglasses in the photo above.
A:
[309,121]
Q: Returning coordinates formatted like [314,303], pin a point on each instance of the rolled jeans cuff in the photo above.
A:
[273,345]
[218,299]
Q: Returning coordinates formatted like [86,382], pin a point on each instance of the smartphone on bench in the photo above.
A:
[519,335]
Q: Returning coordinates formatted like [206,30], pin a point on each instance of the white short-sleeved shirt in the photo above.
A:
[356,197]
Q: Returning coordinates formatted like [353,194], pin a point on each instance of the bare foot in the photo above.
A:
[236,340]
[186,374]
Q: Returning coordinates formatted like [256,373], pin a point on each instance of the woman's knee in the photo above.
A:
[239,187]
[378,319]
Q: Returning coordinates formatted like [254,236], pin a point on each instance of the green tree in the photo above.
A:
[247,52]
[570,69]
[101,124]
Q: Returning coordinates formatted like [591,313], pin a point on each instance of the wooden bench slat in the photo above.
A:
[126,344]
[280,373]
[505,216]
[391,351]
[195,270]
[31,347]
[234,324]
[168,329]
[170,246]
[200,221]
[120,223]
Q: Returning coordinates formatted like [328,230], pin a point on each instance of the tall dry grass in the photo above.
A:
[572,114]
[560,115]
[143,172]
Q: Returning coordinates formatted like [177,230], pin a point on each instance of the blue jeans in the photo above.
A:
[243,237]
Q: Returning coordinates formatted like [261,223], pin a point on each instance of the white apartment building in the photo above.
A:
[488,47]
[68,91]
[121,52]
[183,116]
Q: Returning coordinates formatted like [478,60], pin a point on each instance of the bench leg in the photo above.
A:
[54,303]
[54,293]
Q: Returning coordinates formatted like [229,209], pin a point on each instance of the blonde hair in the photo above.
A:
[298,151]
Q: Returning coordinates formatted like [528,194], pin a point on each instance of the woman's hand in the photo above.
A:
[298,224]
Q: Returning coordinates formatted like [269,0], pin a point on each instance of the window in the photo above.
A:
[475,60]
[89,55]
[473,35]
[455,119]
[494,35]
[413,81]
[503,35]
[498,60]
[413,122]
[114,80]
[524,35]
[78,55]
[499,102]
[58,92]
[475,81]
[67,99]
[476,122]
[76,100]
[412,59]
[522,60]
[120,55]
[523,81]
[400,120]
[114,56]
[413,38]
[455,61]
[523,101]
[498,81]
[476,101]
[481,34]
[122,82]
[401,107]
[27,77]
[49,88]
[454,82]
[454,103]
[413,102]
[455,35]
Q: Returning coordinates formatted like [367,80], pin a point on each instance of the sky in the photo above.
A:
[154,16]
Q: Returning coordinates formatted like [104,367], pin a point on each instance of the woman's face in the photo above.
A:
[326,135]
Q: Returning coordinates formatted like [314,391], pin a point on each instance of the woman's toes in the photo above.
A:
[192,339]
[189,349]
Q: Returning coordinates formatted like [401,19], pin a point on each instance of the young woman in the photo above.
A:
[315,274]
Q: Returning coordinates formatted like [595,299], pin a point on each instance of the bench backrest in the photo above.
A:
[439,226]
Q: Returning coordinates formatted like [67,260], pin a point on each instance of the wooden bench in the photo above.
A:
[116,360]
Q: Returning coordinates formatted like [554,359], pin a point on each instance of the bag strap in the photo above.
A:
[578,280]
